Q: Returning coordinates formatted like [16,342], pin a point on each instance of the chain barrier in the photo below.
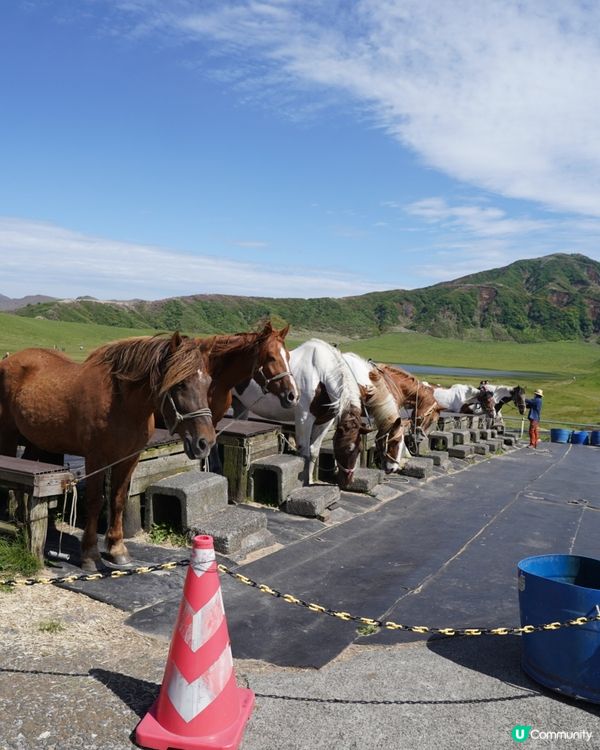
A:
[311,606]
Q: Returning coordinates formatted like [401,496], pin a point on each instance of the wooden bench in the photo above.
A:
[39,484]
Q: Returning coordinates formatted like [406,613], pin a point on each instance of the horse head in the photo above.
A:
[273,366]
[389,446]
[184,396]
[347,444]
[487,402]
[518,397]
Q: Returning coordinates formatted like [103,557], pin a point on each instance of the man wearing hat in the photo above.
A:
[534,416]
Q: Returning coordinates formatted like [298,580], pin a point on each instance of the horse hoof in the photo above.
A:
[119,560]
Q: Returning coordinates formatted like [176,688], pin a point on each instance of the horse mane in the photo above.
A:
[234,343]
[342,380]
[380,402]
[150,358]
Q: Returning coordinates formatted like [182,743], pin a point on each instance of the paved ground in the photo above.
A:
[442,554]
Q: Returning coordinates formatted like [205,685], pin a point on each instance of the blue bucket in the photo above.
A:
[557,588]
[595,437]
[580,437]
[559,435]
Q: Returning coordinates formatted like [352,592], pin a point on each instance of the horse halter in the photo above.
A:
[179,418]
[267,381]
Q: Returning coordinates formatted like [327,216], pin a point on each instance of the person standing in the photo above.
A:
[535,414]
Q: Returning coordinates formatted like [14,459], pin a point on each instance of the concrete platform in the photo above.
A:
[313,501]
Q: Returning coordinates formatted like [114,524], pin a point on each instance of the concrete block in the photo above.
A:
[495,444]
[440,440]
[421,468]
[499,429]
[462,422]
[236,531]
[184,499]
[482,449]
[440,459]
[445,423]
[313,501]
[461,437]
[272,478]
[460,451]
[486,434]
[474,433]
[510,440]
[384,492]
[364,480]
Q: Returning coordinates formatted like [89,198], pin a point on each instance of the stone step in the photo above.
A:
[314,501]
[236,531]
[481,449]
[460,451]
[461,437]
[439,458]
[421,468]
[495,444]
[364,480]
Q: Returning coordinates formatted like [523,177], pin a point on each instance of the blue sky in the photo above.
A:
[153,148]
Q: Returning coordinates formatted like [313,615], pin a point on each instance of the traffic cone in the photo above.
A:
[200,706]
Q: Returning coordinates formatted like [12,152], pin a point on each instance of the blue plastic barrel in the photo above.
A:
[580,437]
[595,437]
[557,588]
[559,435]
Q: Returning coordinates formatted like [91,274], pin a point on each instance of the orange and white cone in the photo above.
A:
[200,706]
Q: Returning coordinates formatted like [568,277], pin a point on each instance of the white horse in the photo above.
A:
[328,394]
[383,410]
[466,399]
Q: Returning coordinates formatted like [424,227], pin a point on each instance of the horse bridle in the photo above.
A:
[179,417]
[267,381]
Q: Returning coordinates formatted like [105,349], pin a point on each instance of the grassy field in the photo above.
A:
[570,370]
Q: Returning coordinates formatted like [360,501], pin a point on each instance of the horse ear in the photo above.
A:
[284,331]
[175,342]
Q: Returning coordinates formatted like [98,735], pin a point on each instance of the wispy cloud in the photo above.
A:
[501,94]
[251,244]
[64,263]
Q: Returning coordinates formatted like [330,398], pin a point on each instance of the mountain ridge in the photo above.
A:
[549,298]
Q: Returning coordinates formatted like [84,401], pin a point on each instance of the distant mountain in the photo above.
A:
[8,303]
[549,298]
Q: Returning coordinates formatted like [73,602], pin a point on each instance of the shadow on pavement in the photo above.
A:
[136,694]
[498,657]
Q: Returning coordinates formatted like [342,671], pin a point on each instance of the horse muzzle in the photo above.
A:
[197,448]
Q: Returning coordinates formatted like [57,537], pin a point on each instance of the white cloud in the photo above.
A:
[500,94]
[485,221]
[63,263]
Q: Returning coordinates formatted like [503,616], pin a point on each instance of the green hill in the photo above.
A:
[556,297]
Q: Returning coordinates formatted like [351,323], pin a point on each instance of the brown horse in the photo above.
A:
[411,393]
[103,410]
[242,356]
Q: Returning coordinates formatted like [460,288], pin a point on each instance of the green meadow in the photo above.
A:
[568,371]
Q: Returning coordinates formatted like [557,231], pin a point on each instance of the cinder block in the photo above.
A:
[440,440]
[364,480]
[482,449]
[460,437]
[460,451]
[510,440]
[445,423]
[185,498]
[271,479]
[236,531]
[312,501]
[495,444]
[421,468]
[474,433]
[499,428]
[440,459]
[486,434]
[462,422]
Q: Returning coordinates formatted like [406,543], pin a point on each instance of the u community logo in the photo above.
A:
[520,733]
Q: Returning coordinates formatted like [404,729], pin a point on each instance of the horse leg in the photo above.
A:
[120,477]
[316,439]
[90,554]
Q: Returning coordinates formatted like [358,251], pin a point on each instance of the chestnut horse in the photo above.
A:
[329,394]
[413,395]
[102,409]
[240,357]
